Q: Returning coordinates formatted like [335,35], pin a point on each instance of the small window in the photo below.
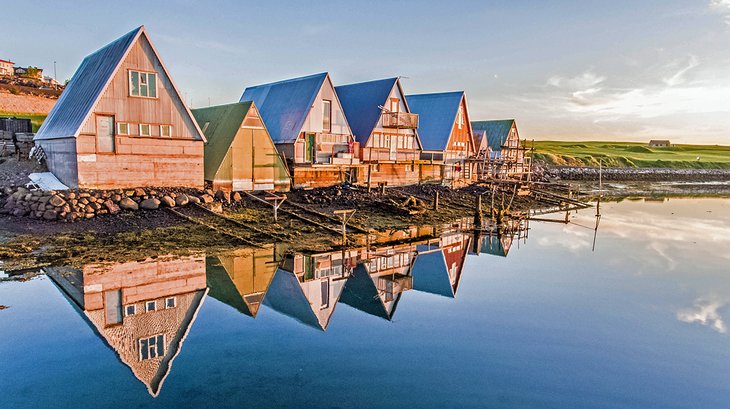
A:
[166,131]
[130,310]
[152,347]
[150,306]
[122,128]
[142,84]
[460,117]
[144,130]
[325,288]
[327,115]
[170,302]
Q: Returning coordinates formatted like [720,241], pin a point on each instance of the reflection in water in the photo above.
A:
[142,310]
[705,312]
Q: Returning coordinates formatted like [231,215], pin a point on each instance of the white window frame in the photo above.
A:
[154,350]
[146,75]
[119,128]
[460,117]
[126,310]
[169,131]
[149,130]
[174,302]
[147,306]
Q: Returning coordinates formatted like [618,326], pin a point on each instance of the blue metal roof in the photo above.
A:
[285,295]
[284,105]
[430,272]
[497,132]
[436,116]
[360,102]
[81,93]
[361,293]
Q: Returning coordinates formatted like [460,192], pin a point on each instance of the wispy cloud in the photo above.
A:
[678,77]
[706,312]
[723,7]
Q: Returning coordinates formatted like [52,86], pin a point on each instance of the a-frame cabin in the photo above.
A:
[446,135]
[385,128]
[239,153]
[306,122]
[121,122]
[502,155]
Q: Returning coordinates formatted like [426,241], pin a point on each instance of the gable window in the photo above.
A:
[325,289]
[144,130]
[142,84]
[122,128]
[460,117]
[170,302]
[130,310]
[150,306]
[166,131]
[326,115]
[151,347]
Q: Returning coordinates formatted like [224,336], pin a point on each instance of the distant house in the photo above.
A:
[445,133]
[142,310]
[6,68]
[385,129]
[659,143]
[29,72]
[306,122]
[500,152]
[122,123]
[239,153]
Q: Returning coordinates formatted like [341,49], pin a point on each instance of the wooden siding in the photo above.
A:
[310,177]
[388,144]
[459,149]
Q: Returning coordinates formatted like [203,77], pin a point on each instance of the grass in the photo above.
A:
[35,119]
[632,154]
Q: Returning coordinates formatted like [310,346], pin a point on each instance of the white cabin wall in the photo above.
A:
[313,123]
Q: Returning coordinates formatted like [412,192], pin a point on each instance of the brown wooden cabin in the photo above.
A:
[446,137]
[121,122]
[383,125]
[501,154]
[239,153]
[306,122]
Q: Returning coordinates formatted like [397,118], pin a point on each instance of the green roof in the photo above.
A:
[223,122]
[497,132]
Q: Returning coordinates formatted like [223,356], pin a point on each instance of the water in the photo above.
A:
[637,323]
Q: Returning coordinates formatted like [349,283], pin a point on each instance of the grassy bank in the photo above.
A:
[35,119]
[631,154]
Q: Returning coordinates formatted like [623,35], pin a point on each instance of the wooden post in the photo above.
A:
[370,175]
[345,216]
[278,201]
[436,202]
[478,213]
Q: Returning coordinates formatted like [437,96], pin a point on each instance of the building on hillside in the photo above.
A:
[659,143]
[385,129]
[141,310]
[29,72]
[121,122]
[241,281]
[7,68]
[446,136]
[306,122]
[239,153]
[500,153]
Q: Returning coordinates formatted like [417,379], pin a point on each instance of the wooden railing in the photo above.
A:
[400,120]
[384,154]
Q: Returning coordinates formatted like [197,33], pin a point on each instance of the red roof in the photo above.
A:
[7,61]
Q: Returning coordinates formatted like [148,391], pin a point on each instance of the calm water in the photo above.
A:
[637,323]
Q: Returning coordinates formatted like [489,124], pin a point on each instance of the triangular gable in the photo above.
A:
[241,280]
[361,102]
[284,105]
[222,288]
[90,82]
[220,124]
[361,293]
[285,295]
[430,272]
[497,132]
[436,117]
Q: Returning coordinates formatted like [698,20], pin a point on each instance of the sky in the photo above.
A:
[566,70]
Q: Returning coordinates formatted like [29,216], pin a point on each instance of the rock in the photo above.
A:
[56,201]
[209,192]
[19,212]
[194,199]
[152,192]
[84,201]
[128,204]
[116,197]
[216,207]
[50,215]
[236,197]
[88,209]
[150,204]
[139,192]
[129,193]
[111,207]
[70,195]
[96,206]
[84,195]
[66,208]
[182,200]
[206,198]
[89,215]
[223,196]
[168,201]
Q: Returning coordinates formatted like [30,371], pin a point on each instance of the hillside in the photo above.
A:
[26,106]
[632,154]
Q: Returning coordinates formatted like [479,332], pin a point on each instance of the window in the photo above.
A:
[144,130]
[122,128]
[166,131]
[325,287]
[130,310]
[152,347]
[460,117]
[150,306]
[326,115]
[142,84]
[170,302]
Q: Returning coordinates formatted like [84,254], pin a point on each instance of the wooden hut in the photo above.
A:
[239,153]
[446,136]
[385,129]
[121,122]
[306,122]
[501,155]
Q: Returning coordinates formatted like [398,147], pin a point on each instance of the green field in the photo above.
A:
[35,119]
[631,154]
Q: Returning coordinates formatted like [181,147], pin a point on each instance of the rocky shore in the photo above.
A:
[634,174]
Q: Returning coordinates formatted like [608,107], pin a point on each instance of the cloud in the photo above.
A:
[706,312]
[722,7]
[678,77]
[587,79]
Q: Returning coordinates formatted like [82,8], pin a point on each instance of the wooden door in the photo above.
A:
[105,134]
[309,149]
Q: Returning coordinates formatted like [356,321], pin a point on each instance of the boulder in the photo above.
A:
[206,198]
[236,197]
[182,199]
[19,212]
[111,207]
[216,207]
[116,197]
[150,204]
[50,215]
[223,196]
[139,192]
[168,201]
[193,199]
[128,204]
